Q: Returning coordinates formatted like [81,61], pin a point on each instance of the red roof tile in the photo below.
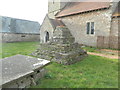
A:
[80,7]
[55,23]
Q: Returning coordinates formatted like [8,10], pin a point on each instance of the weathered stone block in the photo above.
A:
[61,53]
[21,71]
[62,35]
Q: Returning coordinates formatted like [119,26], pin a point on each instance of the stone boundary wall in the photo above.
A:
[14,37]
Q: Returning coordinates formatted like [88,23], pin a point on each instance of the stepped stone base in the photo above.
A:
[62,53]
[62,48]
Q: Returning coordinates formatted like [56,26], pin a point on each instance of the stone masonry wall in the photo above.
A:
[54,7]
[11,37]
[46,27]
[115,33]
[115,25]
[77,24]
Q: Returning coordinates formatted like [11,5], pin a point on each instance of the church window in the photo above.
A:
[90,27]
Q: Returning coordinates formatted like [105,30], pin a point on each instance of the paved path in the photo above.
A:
[115,51]
[103,55]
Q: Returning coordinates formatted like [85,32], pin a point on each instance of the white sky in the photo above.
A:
[34,10]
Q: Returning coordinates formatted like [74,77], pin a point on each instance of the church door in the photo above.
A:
[47,37]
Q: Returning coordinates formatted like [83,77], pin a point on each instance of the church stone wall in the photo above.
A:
[115,33]
[77,24]
[115,25]
[46,27]
[54,7]
[105,27]
[12,37]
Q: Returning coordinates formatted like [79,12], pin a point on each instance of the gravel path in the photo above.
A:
[103,55]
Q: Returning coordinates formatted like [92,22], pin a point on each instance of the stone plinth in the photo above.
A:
[62,49]
[62,35]
[62,53]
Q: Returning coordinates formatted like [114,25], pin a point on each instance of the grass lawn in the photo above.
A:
[24,48]
[91,49]
[92,72]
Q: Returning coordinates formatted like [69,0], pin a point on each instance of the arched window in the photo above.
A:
[47,37]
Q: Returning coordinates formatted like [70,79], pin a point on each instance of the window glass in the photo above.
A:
[88,27]
[92,27]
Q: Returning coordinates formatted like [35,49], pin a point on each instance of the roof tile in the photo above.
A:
[80,7]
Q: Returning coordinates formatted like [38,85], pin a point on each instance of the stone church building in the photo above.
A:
[90,23]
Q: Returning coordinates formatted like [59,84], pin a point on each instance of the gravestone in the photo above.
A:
[62,48]
[21,71]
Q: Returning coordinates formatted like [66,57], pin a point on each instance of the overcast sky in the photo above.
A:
[34,10]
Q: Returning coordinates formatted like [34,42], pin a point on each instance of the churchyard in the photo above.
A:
[92,72]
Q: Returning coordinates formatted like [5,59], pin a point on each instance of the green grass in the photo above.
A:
[24,48]
[91,49]
[92,72]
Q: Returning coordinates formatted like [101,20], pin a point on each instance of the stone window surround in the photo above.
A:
[90,28]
